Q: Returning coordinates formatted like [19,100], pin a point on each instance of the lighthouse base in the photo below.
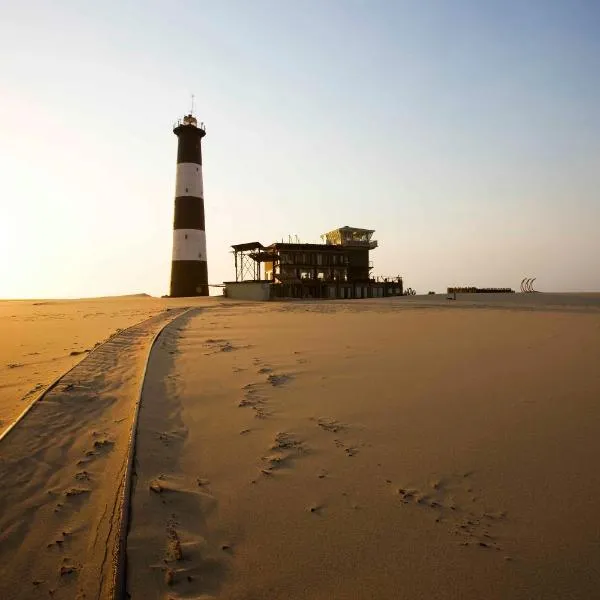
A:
[189,278]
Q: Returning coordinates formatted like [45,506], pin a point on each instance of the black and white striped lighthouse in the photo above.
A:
[189,275]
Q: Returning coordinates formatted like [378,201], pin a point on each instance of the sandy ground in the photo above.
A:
[41,339]
[396,448]
[405,448]
[62,470]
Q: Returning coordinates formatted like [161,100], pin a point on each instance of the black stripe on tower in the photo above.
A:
[189,278]
[189,213]
[189,149]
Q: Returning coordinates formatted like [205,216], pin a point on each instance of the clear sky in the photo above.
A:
[465,132]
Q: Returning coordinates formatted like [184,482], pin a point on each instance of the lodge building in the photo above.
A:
[340,267]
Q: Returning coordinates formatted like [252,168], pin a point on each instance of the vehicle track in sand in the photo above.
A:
[65,467]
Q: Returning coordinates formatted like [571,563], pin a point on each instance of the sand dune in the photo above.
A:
[62,471]
[41,339]
[361,450]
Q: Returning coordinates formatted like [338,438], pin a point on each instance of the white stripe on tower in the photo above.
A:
[189,276]
[189,244]
[188,181]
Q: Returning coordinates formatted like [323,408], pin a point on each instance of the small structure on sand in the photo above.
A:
[476,290]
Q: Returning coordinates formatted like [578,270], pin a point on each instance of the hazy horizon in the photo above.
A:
[466,134]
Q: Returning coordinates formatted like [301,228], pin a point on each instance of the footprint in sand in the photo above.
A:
[260,413]
[185,568]
[173,551]
[60,541]
[103,444]
[331,425]
[285,449]
[254,400]
[222,346]
[74,491]
[279,380]
[100,448]
[32,391]
[155,486]
[349,450]
[251,395]
[82,476]
[67,570]
[168,437]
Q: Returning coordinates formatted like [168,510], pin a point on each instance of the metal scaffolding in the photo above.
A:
[247,258]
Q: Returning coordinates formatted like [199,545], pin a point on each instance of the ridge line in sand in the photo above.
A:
[120,571]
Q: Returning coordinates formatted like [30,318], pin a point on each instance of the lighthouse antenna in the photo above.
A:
[192,110]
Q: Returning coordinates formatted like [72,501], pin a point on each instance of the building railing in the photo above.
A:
[183,122]
[370,244]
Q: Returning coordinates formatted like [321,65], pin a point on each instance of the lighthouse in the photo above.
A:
[189,274]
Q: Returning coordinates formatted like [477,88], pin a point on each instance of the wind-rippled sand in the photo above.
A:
[63,469]
[396,448]
[41,339]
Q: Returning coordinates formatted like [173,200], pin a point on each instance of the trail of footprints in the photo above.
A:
[452,503]
[255,393]
[286,446]
[214,346]
[472,526]
[450,500]
[80,491]
[191,554]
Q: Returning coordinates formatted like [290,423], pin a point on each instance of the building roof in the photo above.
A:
[248,246]
[357,229]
